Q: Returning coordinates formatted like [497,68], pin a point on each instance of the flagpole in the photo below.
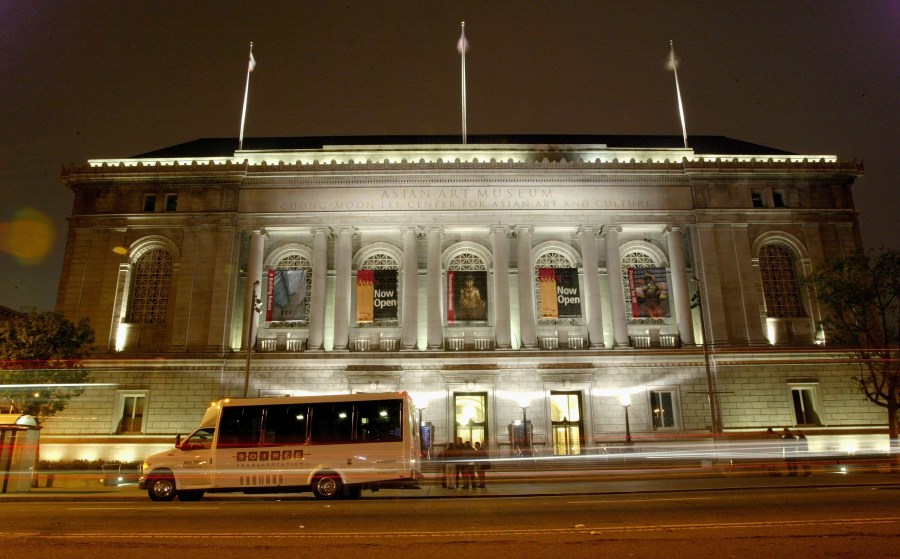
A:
[462,46]
[250,64]
[674,66]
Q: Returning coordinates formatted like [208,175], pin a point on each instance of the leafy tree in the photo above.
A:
[40,367]
[862,293]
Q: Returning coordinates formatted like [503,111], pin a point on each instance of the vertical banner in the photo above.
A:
[547,289]
[649,292]
[376,295]
[286,295]
[365,296]
[560,295]
[467,296]
[568,296]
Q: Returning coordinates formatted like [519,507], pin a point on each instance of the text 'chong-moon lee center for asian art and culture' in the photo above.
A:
[563,281]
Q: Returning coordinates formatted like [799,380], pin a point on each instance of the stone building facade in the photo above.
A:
[541,280]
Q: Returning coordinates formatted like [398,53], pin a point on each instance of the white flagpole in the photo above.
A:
[250,64]
[462,46]
[673,65]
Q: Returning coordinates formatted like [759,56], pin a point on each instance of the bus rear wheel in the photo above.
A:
[327,486]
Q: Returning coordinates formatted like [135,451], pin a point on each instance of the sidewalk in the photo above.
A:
[509,484]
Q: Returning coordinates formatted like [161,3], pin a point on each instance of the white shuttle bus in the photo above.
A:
[334,446]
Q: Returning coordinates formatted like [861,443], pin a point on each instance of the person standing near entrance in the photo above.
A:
[482,465]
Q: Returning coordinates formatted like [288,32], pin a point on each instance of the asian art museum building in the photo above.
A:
[565,281]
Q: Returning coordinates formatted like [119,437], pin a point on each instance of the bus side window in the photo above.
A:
[379,421]
[240,426]
[331,423]
[286,424]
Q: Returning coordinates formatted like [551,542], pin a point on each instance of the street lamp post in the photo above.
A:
[625,400]
[711,385]
[255,307]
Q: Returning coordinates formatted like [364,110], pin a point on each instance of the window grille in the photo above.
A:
[633,260]
[466,262]
[296,262]
[152,279]
[777,267]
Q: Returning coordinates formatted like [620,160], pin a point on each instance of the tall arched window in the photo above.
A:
[634,259]
[777,265]
[298,301]
[467,293]
[385,273]
[152,273]
[557,261]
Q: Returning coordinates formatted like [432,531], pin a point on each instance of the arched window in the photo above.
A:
[638,259]
[297,307]
[467,288]
[556,260]
[384,269]
[152,273]
[777,265]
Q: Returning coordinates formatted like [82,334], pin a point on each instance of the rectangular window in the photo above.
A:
[378,421]
[130,413]
[757,198]
[804,401]
[240,427]
[331,423]
[286,424]
[778,199]
[171,202]
[662,409]
[149,202]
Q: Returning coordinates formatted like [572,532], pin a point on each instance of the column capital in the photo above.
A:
[588,230]
[519,229]
[610,229]
[499,229]
[681,229]
[410,228]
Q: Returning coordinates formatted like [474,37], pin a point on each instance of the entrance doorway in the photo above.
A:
[567,423]
[471,417]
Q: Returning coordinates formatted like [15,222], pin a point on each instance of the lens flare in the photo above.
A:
[28,237]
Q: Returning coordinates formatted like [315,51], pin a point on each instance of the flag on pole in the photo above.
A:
[250,66]
[462,46]
[672,65]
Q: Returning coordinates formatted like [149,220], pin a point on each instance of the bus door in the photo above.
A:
[193,468]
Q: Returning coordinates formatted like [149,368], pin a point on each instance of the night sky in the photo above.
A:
[111,79]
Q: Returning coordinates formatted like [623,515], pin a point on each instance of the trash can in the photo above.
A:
[112,474]
[19,436]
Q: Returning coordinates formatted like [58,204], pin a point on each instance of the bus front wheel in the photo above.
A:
[161,488]
[327,486]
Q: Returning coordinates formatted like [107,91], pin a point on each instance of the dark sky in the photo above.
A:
[107,79]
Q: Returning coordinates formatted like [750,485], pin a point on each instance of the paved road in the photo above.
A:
[765,518]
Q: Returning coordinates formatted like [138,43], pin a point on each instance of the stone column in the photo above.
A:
[316,340]
[527,323]
[616,288]
[254,274]
[592,304]
[342,289]
[500,248]
[409,336]
[435,318]
[681,297]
